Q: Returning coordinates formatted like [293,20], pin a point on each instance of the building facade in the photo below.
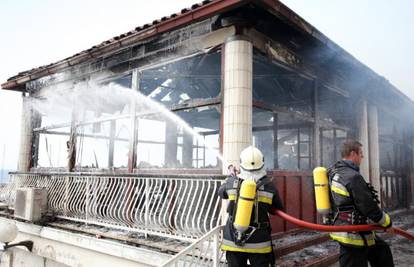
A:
[188,92]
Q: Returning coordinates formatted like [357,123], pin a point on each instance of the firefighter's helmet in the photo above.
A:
[251,159]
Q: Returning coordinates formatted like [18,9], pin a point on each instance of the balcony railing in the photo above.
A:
[184,207]
[204,252]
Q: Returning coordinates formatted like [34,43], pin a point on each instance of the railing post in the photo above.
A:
[147,204]
[216,248]
[67,186]
[87,201]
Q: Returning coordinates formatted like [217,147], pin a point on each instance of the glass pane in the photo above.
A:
[327,143]
[288,149]
[53,150]
[304,150]
[150,155]
[93,145]
[304,164]
[263,134]
[264,142]
[121,152]
[121,145]
[93,153]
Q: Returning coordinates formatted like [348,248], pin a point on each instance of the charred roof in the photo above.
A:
[302,37]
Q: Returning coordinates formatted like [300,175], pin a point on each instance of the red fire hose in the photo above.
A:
[348,228]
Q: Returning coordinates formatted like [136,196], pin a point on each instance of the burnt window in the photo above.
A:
[285,141]
[192,141]
[263,134]
[331,142]
[92,146]
[294,143]
[197,77]
[52,148]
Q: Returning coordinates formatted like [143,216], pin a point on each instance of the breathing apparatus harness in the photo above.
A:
[241,237]
[325,203]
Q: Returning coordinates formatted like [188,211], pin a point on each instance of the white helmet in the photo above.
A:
[251,164]
[251,159]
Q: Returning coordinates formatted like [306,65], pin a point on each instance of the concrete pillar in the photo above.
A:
[237,103]
[363,139]
[316,157]
[374,158]
[26,136]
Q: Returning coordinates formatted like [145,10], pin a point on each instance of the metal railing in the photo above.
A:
[183,207]
[204,252]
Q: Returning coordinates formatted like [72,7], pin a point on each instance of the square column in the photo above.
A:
[237,102]
[374,157]
[363,138]
[26,136]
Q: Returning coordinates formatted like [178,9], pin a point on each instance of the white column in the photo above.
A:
[363,138]
[237,103]
[26,136]
[374,158]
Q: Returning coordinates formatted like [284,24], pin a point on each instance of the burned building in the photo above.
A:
[183,95]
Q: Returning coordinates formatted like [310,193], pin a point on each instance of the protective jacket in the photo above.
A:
[354,202]
[266,201]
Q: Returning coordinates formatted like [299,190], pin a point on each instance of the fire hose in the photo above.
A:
[345,228]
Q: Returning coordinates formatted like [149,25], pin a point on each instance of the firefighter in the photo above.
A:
[355,201]
[252,196]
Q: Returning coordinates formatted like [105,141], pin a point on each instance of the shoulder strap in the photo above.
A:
[236,199]
[263,181]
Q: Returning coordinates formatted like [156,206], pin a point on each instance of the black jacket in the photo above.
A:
[353,202]
[268,200]
[360,195]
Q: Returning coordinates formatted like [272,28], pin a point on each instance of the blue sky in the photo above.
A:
[379,33]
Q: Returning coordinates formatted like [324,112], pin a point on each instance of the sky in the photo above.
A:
[33,33]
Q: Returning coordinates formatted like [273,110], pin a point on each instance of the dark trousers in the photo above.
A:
[378,255]
[239,259]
